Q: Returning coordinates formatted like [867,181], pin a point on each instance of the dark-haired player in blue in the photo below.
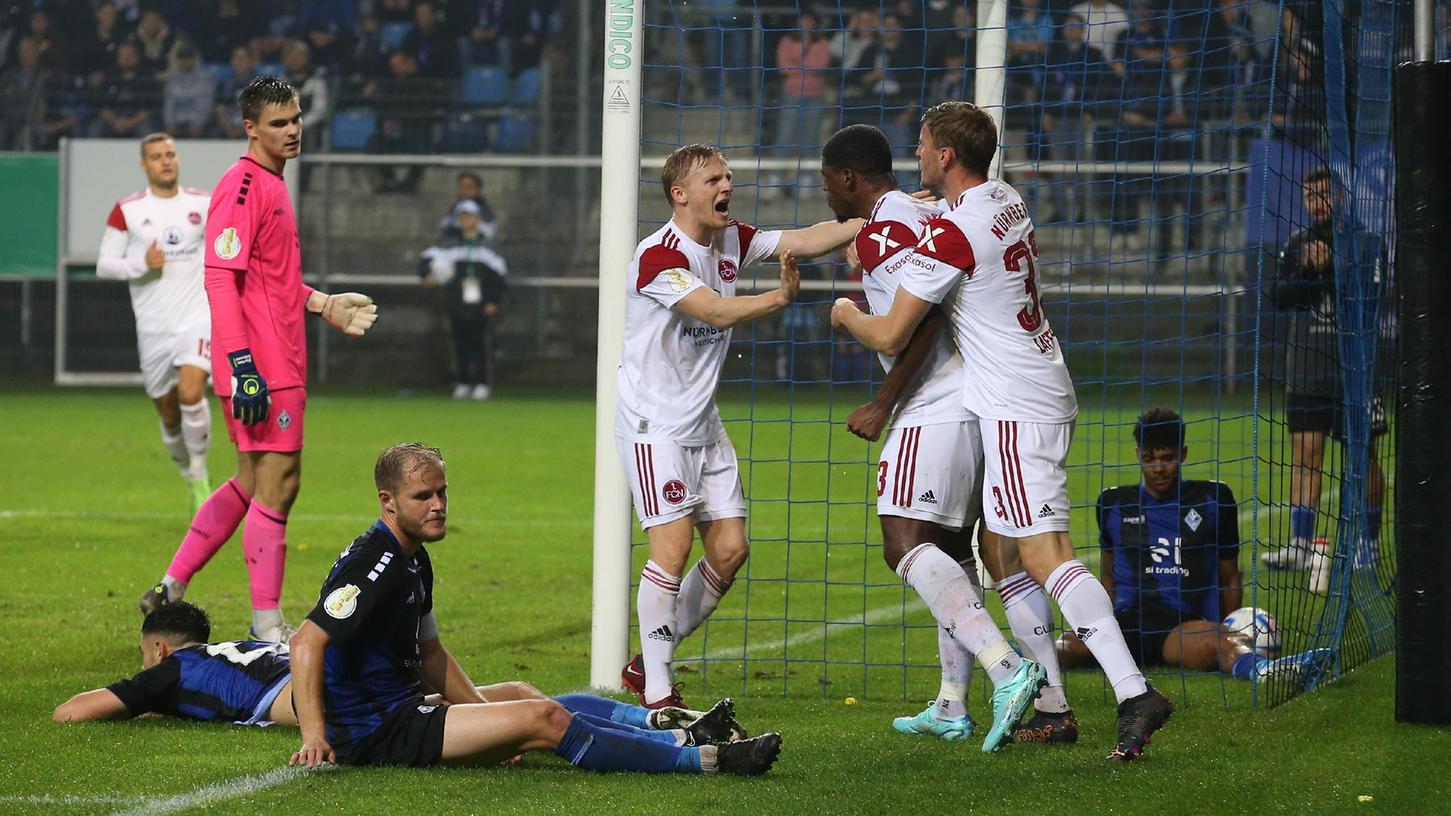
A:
[362,658]
[248,682]
[1170,549]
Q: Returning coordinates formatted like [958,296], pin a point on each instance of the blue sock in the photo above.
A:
[605,709]
[1302,522]
[594,748]
[1372,523]
[647,733]
[1246,666]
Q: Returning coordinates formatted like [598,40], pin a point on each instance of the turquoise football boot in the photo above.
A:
[956,728]
[1010,700]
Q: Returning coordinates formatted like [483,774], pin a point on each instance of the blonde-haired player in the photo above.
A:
[153,241]
[680,307]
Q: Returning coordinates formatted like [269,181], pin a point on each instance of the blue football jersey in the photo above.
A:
[233,681]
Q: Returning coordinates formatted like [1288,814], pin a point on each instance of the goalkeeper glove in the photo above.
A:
[250,399]
[350,312]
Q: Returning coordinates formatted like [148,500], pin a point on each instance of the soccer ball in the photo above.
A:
[1259,626]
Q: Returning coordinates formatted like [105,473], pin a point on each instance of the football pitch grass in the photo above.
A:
[91,511]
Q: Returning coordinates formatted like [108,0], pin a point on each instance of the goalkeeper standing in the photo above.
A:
[259,355]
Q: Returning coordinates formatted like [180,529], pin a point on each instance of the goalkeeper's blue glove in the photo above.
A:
[250,399]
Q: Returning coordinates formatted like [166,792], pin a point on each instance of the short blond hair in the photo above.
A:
[967,129]
[684,159]
[153,138]
[395,463]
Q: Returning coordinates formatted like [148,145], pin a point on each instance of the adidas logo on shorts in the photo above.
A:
[663,633]
[927,498]
[1046,512]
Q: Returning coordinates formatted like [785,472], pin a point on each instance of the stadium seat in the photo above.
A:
[465,133]
[485,85]
[516,134]
[392,34]
[353,129]
[271,69]
[219,70]
[526,88]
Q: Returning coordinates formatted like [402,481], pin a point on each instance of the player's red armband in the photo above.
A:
[942,241]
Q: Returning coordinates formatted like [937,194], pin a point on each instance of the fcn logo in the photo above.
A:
[674,491]
[727,270]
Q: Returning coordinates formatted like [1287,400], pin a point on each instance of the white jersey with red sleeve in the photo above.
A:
[176,298]
[979,261]
[883,245]
[671,363]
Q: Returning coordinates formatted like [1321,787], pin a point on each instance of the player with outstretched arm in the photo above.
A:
[259,369]
[154,241]
[680,307]
[978,260]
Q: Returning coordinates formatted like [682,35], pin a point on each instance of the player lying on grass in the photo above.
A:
[978,260]
[680,307]
[249,682]
[1170,549]
[362,657]
[933,454]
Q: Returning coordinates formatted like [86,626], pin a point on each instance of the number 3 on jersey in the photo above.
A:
[1030,317]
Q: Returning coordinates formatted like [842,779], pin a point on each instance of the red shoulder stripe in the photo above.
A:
[657,259]
[746,233]
[880,240]
[197,191]
[942,240]
[116,219]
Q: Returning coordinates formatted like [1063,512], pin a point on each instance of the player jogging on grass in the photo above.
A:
[364,656]
[153,241]
[259,369]
[248,682]
[680,307]
[978,261]
[927,493]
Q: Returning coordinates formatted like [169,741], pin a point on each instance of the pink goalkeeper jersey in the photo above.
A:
[254,277]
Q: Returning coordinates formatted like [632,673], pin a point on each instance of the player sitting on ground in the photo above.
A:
[932,455]
[362,657]
[680,307]
[1170,550]
[249,682]
[978,261]
[153,241]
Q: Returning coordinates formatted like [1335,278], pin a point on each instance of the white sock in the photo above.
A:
[174,589]
[700,594]
[196,430]
[1087,608]
[1031,619]
[264,619]
[956,676]
[943,585]
[176,447]
[655,605]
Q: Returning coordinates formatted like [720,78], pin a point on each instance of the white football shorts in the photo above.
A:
[932,473]
[670,481]
[1025,476]
[162,354]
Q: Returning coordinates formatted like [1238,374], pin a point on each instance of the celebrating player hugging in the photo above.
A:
[977,261]
[679,311]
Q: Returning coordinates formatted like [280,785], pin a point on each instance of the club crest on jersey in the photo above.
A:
[674,491]
[284,420]
[727,270]
[342,602]
[172,236]
[194,217]
[228,245]
[1192,520]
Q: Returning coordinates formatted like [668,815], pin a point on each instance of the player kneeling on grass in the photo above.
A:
[1170,550]
[362,658]
[249,682]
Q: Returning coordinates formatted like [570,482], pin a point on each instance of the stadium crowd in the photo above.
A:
[398,74]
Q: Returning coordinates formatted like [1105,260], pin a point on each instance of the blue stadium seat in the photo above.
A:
[353,129]
[485,85]
[219,70]
[516,134]
[465,133]
[270,69]
[392,34]
[526,88]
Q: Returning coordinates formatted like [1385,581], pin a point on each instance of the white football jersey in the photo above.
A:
[177,297]
[671,362]
[883,245]
[979,260]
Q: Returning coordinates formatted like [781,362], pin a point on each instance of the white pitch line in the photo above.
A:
[880,614]
[207,794]
[65,799]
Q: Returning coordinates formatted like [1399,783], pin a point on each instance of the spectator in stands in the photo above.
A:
[228,115]
[900,85]
[492,26]
[368,56]
[327,27]
[1078,81]
[312,91]
[1128,132]
[543,22]
[1182,109]
[130,98]
[1106,22]
[189,96]
[435,52]
[156,40]
[471,273]
[395,11]
[97,52]
[953,58]
[225,26]
[1030,33]
[939,21]
[802,57]
[859,52]
[470,187]
[859,35]
[54,55]
[22,88]
[405,105]
[727,49]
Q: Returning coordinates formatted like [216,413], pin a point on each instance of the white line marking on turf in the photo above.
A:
[877,615]
[66,799]
[207,794]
